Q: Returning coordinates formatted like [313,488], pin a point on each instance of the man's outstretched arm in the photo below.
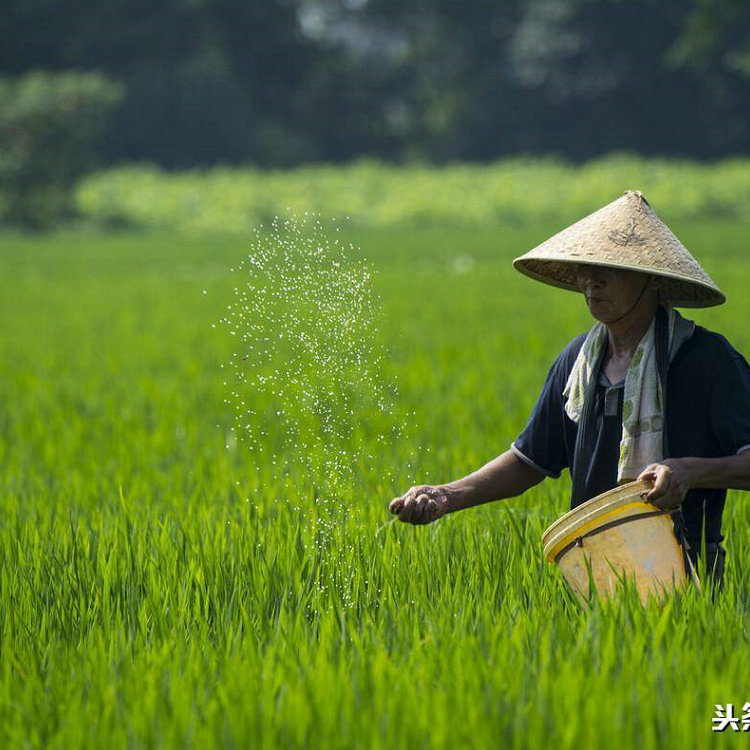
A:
[503,477]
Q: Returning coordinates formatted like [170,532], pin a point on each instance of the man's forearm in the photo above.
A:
[728,472]
[503,477]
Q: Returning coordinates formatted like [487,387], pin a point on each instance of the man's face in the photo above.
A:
[610,292]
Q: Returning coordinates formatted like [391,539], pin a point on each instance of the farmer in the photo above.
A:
[601,410]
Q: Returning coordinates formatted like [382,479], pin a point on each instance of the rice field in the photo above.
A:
[161,586]
[509,192]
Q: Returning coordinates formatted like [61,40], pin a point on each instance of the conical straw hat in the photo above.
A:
[624,234]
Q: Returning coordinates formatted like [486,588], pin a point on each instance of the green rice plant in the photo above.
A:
[514,191]
[161,587]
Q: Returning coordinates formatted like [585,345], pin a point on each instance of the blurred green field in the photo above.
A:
[512,191]
[160,590]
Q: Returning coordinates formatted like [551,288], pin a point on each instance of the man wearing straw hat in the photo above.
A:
[645,394]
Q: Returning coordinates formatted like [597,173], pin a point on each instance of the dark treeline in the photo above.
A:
[281,82]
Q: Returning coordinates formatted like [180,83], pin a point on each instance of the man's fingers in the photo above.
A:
[407,510]
[659,488]
[665,491]
[431,510]
[397,504]
[417,515]
[416,509]
[649,495]
[660,483]
[670,497]
[647,475]
[418,505]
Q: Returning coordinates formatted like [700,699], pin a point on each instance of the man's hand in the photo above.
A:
[672,481]
[422,504]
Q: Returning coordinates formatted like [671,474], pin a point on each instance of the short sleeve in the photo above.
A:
[542,443]
[730,403]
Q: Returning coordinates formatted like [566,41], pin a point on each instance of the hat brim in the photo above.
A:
[679,291]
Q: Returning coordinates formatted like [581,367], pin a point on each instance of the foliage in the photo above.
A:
[300,81]
[716,37]
[160,590]
[48,123]
[522,190]
[186,114]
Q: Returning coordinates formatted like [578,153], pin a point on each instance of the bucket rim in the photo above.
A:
[560,532]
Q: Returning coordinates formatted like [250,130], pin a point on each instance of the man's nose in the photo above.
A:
[589,278]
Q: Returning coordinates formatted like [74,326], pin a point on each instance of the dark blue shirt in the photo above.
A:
[707,415]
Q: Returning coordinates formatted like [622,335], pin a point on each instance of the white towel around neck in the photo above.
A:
[643,401]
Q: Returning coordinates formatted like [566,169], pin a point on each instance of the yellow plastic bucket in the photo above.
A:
[617,534]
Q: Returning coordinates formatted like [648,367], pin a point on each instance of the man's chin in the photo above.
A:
[599,315]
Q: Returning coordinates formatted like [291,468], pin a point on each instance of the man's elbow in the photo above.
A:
[525,476]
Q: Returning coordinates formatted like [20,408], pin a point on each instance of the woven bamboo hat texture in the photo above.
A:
[624,234]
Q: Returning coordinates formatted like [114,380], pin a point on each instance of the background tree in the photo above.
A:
[281,82]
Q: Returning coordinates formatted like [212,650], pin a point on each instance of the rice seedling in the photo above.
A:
[161,587]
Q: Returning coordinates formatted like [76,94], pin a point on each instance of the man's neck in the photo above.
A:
[625,335]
